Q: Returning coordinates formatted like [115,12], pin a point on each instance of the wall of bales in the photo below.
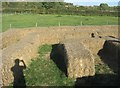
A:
[112,47]
[78,59]
[110,54]
[12,36]
[25,49]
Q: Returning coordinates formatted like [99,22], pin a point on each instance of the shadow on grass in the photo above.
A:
[98,80]
[59,57]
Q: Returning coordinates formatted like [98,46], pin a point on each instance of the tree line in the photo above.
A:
[59,8]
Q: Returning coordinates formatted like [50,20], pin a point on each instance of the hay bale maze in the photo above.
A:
[78,52]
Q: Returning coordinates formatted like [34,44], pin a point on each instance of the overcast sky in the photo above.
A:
[93,2]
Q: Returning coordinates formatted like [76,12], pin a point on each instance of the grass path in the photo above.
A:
[44,72]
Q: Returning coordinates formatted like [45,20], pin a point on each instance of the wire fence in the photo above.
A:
[11,25]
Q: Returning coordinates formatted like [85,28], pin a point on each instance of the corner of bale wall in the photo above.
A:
[79,61]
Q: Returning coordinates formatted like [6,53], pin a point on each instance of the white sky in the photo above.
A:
[75,2]
[94,2]
[91,0]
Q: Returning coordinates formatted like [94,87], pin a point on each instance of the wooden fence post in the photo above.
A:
[59,24]
[81,23]
[10,26]
[36,24]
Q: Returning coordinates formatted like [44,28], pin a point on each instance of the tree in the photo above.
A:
[104,6]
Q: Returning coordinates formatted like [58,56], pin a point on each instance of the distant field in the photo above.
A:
[30,20]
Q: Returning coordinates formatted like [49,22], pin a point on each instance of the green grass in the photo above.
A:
[103,69]
[29,20]
[44,72]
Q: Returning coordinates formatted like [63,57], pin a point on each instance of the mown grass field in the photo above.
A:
[30,20]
